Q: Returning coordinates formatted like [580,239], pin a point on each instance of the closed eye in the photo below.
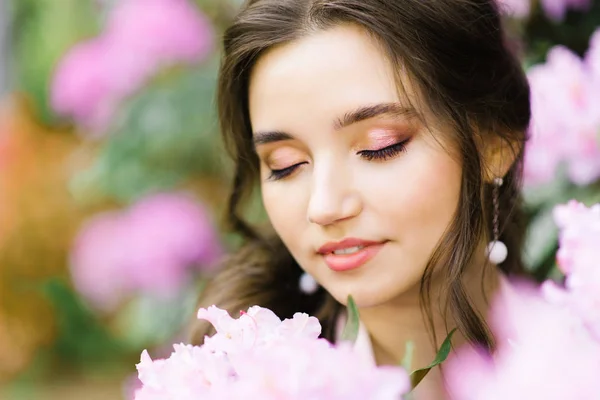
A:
[386,153]
[277,174]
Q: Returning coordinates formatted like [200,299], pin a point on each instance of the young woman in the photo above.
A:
[386,138]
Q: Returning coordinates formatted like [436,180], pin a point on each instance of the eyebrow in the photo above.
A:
[372,111]
[360,114]
[270,137]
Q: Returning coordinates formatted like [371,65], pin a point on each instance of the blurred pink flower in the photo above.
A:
[164,31]
[82,88]
[548,340]
[557,9]
[565,108]
[152,247]
[592,58]
[301,369]
[554,9]
[579,237]
[258,356]
[543,352]
[579,259]
[141,37]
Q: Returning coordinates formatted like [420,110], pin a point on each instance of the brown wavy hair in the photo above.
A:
[456,55]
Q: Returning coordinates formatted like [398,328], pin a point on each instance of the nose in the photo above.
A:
[332,198]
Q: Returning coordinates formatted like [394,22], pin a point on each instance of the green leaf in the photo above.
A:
[417,376]
[350,332]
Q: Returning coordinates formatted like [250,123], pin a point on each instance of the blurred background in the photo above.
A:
[113,179]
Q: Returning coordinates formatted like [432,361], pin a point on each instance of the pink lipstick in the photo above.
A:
[350,253]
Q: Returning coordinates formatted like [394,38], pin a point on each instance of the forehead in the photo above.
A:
[319,76]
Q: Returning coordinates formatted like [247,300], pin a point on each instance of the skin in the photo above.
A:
[303,89]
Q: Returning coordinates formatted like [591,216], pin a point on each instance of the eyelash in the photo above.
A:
[371,155]
[277,174]
[386,153]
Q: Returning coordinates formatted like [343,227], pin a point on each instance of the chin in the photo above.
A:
[366,296]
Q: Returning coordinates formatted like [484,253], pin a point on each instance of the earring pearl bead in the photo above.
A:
[308,284]
[497,252]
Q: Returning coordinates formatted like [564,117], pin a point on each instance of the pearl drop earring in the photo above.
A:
[308,284]
[496,250]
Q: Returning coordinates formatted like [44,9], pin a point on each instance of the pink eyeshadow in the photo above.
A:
[283,158]
[379,139]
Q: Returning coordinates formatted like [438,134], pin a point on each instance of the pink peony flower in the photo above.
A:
[178,31]
[565,120]
[81,87]
[255,328]
[592,57]
[549,339]
[151,247]
[142,37]
[259,356]
[188,374]
[312,369]
[579,260]
[544,352]
[579,235]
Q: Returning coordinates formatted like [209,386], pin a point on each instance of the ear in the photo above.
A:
[499,155]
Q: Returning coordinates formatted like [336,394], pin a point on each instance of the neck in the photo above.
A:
[405,315]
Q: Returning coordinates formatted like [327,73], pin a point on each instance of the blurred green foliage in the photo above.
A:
[44,30]
[81,336]
[160,137]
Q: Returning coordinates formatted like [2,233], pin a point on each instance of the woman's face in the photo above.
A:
[356,187]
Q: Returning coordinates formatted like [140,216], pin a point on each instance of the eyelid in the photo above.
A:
[283,156]
[277,174]
[381,143]
[385,153]
[278,166]
[383,136]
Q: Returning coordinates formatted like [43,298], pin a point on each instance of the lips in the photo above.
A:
[350,253]
[345,244]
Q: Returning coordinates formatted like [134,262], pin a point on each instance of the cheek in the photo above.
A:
[417,197]
[285,205]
